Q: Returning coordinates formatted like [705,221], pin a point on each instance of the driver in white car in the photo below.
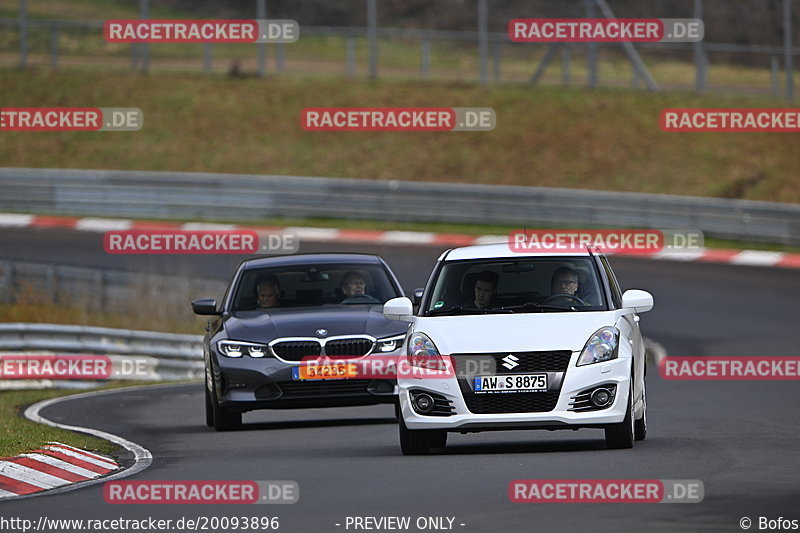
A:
[564,281]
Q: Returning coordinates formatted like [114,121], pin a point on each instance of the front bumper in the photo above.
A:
[267,383]
[575,380]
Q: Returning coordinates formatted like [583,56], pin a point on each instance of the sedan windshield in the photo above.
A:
[529,285]
[313,285]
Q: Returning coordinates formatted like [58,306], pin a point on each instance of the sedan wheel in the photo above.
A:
[223,419]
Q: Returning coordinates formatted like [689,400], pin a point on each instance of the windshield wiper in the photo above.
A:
[536,305]
[461,310]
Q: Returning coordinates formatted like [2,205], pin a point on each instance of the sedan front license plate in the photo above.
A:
[511,383]
[336,371]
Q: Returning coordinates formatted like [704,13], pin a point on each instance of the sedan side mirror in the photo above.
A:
[205,306]
[398,309]
[639,301]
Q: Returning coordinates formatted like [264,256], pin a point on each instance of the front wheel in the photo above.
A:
[209,407]
[420,441]
[619,436]
[640,426]
[224,420]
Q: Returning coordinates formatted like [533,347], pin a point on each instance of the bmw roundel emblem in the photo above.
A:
[322,332]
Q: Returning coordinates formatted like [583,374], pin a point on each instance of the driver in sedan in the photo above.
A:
[354,284]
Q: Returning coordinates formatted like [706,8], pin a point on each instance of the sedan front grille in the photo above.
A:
[300,349]
[343,387]
[356,347]
[296,350]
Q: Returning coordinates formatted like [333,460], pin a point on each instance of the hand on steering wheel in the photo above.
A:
[563,296]
[361,298]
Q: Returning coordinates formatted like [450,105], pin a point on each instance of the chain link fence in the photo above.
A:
[749,44]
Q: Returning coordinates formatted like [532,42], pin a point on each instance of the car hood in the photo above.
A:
[513,333]
[265,325]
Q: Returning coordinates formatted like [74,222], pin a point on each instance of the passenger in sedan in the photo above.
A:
[268,291]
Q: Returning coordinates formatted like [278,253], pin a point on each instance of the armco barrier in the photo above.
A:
[229,197]
[158,356]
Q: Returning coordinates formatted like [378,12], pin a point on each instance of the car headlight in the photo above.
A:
[422,353]
[238,349]
[603,345]
[390,344]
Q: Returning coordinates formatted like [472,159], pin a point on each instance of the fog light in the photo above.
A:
[424,403]
[601,397]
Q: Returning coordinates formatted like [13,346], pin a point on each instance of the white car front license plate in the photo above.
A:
[511,383]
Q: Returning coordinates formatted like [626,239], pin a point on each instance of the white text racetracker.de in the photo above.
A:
[400,523]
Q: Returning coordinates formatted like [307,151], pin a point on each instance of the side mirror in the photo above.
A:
[205,306]
[418,296]
[639,301]
[398,309]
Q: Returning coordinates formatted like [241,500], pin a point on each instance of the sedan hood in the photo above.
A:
[264,325]
[513,333]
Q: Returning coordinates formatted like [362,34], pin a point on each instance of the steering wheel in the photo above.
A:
[360,299]
[563,296]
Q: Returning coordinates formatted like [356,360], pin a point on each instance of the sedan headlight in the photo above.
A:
[238,349]
[603,345]
[390,344]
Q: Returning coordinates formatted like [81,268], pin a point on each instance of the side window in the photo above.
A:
[612,280]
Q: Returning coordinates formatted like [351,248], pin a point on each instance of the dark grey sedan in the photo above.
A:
[290,331]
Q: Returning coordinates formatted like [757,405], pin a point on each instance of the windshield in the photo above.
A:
[313,285]
[529,285]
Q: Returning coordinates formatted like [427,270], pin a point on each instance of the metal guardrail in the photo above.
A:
[239,197]
[151,356]
[100,289]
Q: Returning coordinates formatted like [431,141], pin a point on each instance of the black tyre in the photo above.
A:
[619,436]
[438,439]
[209,407]
[640,426]
[416,441]
[224,420]
[397,411]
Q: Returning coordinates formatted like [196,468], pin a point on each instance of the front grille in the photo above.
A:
[512,402]
[515,402]
[352,347]
[556,361]
[341,387]
[296,350]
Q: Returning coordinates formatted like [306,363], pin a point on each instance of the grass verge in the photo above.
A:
[20,435]
[606,139]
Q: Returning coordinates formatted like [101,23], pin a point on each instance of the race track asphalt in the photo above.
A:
[739,438]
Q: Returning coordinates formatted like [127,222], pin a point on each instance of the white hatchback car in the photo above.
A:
[533,340]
